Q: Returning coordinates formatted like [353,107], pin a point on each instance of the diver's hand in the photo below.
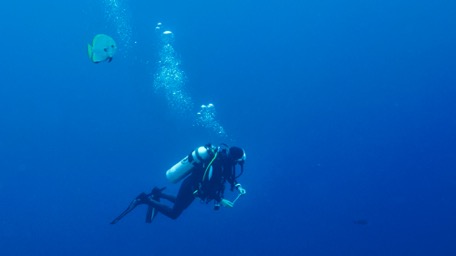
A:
[227,203]
[241,190]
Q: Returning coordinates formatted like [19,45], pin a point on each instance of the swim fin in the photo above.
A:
[151,211]
[140,199]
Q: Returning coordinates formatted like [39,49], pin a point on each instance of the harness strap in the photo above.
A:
[208,166]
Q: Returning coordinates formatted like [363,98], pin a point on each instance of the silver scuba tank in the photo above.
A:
[185,166]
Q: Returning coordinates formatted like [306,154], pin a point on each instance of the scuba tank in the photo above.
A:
[185,166]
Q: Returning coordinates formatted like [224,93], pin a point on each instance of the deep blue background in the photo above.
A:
[346,109]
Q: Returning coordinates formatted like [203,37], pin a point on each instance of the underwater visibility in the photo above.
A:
[125,128]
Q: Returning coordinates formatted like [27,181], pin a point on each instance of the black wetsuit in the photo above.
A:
[194,186]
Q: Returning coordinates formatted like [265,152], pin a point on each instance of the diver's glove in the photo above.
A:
[227,203]
[241,190]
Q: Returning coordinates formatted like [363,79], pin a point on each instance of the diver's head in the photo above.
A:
[236,154]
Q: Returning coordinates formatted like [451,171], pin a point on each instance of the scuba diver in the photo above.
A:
[204,172]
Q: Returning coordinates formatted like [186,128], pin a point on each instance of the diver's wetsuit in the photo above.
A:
[183,199]
[192,187]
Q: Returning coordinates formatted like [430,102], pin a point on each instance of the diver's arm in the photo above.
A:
[235,184]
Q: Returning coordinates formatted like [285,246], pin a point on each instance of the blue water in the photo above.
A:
[346,110]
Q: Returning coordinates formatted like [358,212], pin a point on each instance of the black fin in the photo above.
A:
[140,199]
[151,211]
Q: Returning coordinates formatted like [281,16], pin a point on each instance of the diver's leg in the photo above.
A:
[157,193]
[168,197]
[182,201]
